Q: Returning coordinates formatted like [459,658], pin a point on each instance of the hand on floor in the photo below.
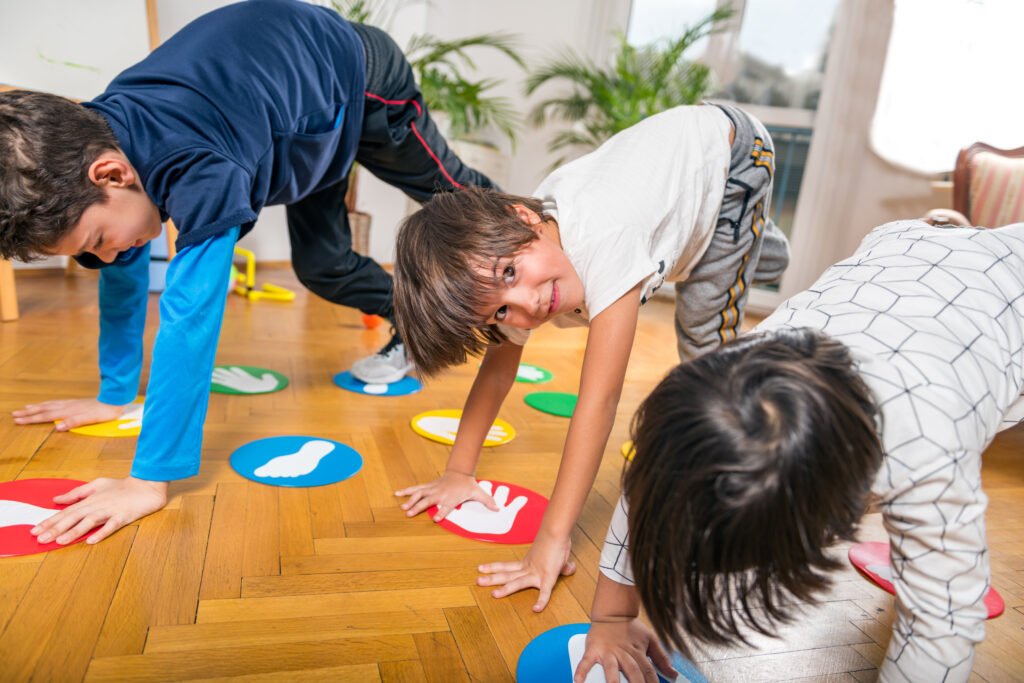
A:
[452,489]
[68,413]
[547,559]
[616,646]
[106,503]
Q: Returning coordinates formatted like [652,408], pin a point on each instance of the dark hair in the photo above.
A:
[438,291]
[47,144]
[750,462]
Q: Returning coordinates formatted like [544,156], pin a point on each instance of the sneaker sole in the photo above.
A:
[390,378]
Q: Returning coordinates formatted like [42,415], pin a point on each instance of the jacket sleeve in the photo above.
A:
[124,290]
[191,312]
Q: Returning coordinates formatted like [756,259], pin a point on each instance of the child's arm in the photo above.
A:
[457,484]
[604,368]
[618,640]
[191,311]
[123,295]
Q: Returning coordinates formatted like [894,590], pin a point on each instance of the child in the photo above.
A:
[886,380]
[254,104]
[682,196]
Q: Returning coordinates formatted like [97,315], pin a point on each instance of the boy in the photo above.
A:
[885,380]
[254,104]
[682,196]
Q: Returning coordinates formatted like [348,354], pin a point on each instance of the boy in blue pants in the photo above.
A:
[255,104]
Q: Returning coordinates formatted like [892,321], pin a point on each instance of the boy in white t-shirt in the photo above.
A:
[682,196]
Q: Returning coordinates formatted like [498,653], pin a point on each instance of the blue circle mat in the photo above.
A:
[547,659]
[403,387]
[296,461]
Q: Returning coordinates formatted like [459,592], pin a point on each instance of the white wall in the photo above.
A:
[847,189]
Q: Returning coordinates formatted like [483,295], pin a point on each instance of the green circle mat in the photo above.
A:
[246,379]
[552,402]
[532,374]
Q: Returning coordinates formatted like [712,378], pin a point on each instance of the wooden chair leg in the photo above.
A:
[172,237]
[8,294]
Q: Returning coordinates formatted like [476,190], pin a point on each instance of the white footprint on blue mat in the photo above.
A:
[297,464]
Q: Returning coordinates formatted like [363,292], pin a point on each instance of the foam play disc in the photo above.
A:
[442,425]
[403,387]
[246,379]
[516,521]
[532,374]
[24,504]
[129,424]
[296,461]
[872,559]
[552,657]
[627,450]
[552,402]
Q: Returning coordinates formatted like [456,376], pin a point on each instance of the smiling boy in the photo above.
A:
[682,196]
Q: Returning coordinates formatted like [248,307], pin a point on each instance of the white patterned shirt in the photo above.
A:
[934,318]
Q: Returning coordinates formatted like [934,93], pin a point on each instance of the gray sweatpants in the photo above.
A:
[747,247]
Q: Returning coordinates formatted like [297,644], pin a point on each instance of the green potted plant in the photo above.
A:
[640,82]
[463,107]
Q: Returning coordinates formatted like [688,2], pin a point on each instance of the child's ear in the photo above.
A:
[526,215]
[111,169]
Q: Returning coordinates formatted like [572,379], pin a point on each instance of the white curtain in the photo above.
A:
[953,76]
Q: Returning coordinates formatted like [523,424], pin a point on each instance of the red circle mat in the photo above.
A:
[517,522]
[29,499]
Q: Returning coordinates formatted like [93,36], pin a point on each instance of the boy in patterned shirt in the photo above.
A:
[885,380]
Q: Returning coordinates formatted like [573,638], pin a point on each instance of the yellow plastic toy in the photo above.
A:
[247,282]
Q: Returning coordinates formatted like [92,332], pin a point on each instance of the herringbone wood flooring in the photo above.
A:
[235,580]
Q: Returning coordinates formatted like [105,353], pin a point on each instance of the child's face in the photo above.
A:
[128,218]
[537,283]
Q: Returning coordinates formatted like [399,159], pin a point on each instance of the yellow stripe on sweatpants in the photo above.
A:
[731,313]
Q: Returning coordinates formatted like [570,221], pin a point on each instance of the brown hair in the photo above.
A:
[438,290]
[750,462]
[47,144]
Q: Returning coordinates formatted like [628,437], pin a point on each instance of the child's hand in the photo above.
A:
[68,414]
[451,490]
[111,503]
[547,559]
[624,646]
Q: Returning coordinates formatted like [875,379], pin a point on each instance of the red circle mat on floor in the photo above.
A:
[872,559]
[25,503]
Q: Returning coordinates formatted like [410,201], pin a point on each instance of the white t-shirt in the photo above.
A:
[641,208]
[934,318]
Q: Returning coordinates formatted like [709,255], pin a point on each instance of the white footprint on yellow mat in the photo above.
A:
[297,464]
[16,513]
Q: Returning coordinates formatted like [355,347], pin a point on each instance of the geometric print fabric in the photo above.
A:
[934,318]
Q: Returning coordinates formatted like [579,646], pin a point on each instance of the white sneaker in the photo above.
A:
[387,366]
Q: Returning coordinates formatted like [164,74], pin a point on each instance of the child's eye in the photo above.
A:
[501,313]
[509,273]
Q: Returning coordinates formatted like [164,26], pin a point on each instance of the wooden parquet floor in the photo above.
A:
[243,582]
